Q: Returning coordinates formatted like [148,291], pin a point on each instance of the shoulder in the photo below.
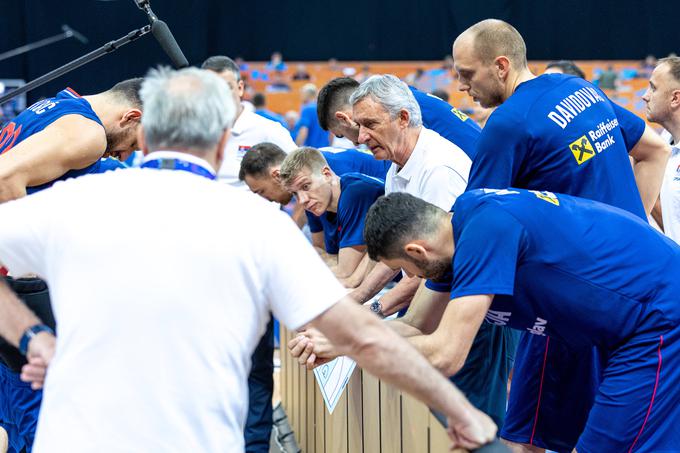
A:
[439,151]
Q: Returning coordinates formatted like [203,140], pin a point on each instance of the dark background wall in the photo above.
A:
[318,30]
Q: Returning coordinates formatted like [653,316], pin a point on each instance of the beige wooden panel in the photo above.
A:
[311,409]
[295,416]
[302,431]
[320,422]
[390,419]
[414,424]
[370,400]
[336,427]
[355,419]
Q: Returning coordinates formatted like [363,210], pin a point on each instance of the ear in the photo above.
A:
[241,88]
[275,173]
[675,99]
[326,171]
[415,250]
[404,118]
[343,118]
[502,67]
[141,143]
[130,117]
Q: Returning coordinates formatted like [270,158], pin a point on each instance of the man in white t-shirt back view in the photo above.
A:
[663,107]
[158,361]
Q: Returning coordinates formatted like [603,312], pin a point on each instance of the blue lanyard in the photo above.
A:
[178,164]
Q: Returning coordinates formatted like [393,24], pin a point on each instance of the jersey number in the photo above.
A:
[8,136]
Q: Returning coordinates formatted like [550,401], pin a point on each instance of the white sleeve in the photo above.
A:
[442,187]
[24,230]
[298,285]
[280,136]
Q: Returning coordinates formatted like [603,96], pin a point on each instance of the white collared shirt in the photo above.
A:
[156,330]
[670,192]
[437,171]
[249,130]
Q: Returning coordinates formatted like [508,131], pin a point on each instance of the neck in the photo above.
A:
[673,126]
[239,110]
[447,233]
[409,144]
[335,194]
[107,109]
[515,79]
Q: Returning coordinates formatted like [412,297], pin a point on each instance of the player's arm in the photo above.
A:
[651,156]
[656,214]
[71,142]
[400,296]
[448,346]
[348,261]
[374,281]
[302,135]
[364,267]
[424,313]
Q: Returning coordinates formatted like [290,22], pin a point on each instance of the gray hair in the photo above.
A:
[185,109]
[393,94]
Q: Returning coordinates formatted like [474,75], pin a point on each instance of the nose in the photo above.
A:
[302,198]
[645,97]
[363,135]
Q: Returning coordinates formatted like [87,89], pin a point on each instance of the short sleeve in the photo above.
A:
[486,253]
[296,298]
[24,231]
[501,149]
[307,117]
[632,126]
[315,225]
[355,201]
[442,187]
[442,285]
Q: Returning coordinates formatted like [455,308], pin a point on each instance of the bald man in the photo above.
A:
[559,133]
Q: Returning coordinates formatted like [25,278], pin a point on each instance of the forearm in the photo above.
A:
[15,317]
[301,136]
[403,329]
[11,188]
[648,177]
[400,296]
[656,214]
[373,283]
[359,273]
[448,361]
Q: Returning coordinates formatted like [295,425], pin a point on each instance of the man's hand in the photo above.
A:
[311,348]
[40,353]
[477,430]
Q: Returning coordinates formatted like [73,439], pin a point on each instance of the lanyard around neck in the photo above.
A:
[178,164]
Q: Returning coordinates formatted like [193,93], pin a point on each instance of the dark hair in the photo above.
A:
[441,94]
[395,219]
[220,63]
[332,97]
[128,91]
[258,100]
[567,67]
[259,159]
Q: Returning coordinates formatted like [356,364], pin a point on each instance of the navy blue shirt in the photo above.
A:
[587,272]
[40,115]
[343,162]
[560,133]
[448,121]
[316,137]
[357,194]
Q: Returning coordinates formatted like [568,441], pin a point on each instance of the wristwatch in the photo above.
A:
[376,307]
[29,334]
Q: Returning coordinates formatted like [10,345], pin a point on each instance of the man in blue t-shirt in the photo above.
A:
[340,203]
[309,132]
[559,133]
[335,115]
[55,139]
[586,274]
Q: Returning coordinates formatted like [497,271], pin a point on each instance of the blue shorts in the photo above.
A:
[19,408]
[553,388]
[637,406]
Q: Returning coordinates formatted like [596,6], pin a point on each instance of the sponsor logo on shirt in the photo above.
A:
[499,318]
[539,327]
[546,196]
[582,149]
[461,116]
[573,105]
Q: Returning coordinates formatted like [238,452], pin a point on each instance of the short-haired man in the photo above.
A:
[249,128]
[340,202]
[559,133]
[568,277]
[663,107]
[56,139]
[564,67]
[335,115]
[176,364]
[309,132]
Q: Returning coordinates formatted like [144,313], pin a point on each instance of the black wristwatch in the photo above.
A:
[29,334]
[376,307]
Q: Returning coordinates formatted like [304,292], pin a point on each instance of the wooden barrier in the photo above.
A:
[371,416]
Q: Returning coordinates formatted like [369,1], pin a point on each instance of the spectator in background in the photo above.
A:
[441,94]
[364,74]
[606,80]
[564,67]
[276,63]
[292,119]
[259,103]
[663,107]
[278,83]
[309,131]
[647,66]
[301,72]
[242,65]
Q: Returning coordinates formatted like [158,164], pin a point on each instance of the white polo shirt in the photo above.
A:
[156,330]
[249,130]
[437,171]
[670,192]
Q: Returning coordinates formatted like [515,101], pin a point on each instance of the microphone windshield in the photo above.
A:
[163,35]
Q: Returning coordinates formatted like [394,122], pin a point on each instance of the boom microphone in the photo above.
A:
[163,35]
[71,32]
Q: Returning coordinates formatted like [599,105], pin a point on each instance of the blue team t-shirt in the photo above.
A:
[560,133]
[40,115]
[346,226]
[588,273]
[316,137]
[343,162]
[448,121]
